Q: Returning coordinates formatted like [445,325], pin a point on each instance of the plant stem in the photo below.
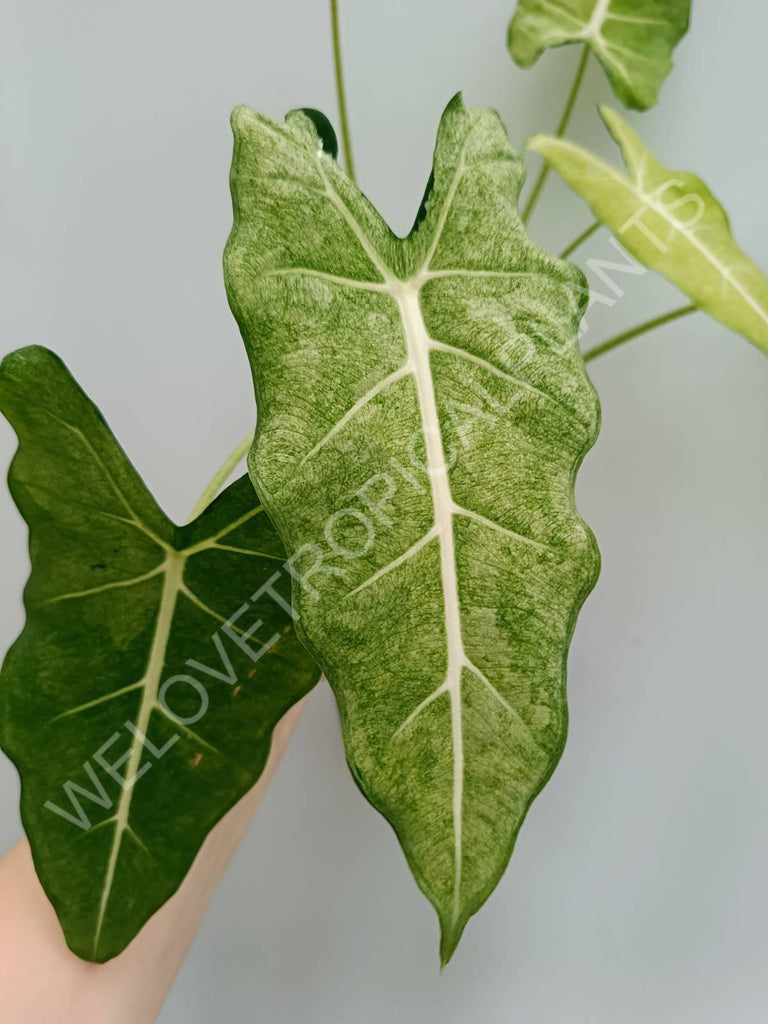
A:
[634,332]
[580,240]
[566,117]
[220,477]
[346,144]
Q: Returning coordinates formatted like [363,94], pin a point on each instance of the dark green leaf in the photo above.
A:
[124,670]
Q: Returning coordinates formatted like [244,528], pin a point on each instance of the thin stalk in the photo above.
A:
[580,240]
[340,93]
[221,476]
[566,117]
[634,332]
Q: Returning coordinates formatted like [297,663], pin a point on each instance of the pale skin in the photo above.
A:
[42,981]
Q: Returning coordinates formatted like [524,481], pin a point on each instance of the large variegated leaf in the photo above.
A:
[423,409]
[135,718]
[632,39]
[670,222]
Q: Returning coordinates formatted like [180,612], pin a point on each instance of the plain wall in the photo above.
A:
[637,891]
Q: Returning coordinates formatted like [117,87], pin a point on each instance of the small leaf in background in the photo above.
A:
[632,39]
[423,409]
[135,717]
[670,222]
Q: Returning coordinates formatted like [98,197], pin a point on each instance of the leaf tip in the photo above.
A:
[608,114]
[240,118]
[622,133]
[27,362]
[237,115]
[537,143]
[450,935]
[456,104]
[519,47]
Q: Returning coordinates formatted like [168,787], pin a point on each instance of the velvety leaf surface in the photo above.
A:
[670,222]
[632,39]
[135,719]
[423,409]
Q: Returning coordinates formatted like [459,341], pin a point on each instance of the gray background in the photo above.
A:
[637,892]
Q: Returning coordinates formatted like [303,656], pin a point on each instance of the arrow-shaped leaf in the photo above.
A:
[423,409]
[136,718]
[632,39]
[670,222]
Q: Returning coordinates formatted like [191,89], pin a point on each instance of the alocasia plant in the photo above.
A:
[135,715]
[670,222]
[632,39]
[423,410]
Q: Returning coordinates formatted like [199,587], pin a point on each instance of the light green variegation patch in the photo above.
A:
[670,222]
[423,410]
[632,39]
[135,717]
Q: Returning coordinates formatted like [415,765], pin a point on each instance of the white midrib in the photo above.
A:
[172,569]
[173,577]
[723,269]
[406,295]
[595,23]
[418,346]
